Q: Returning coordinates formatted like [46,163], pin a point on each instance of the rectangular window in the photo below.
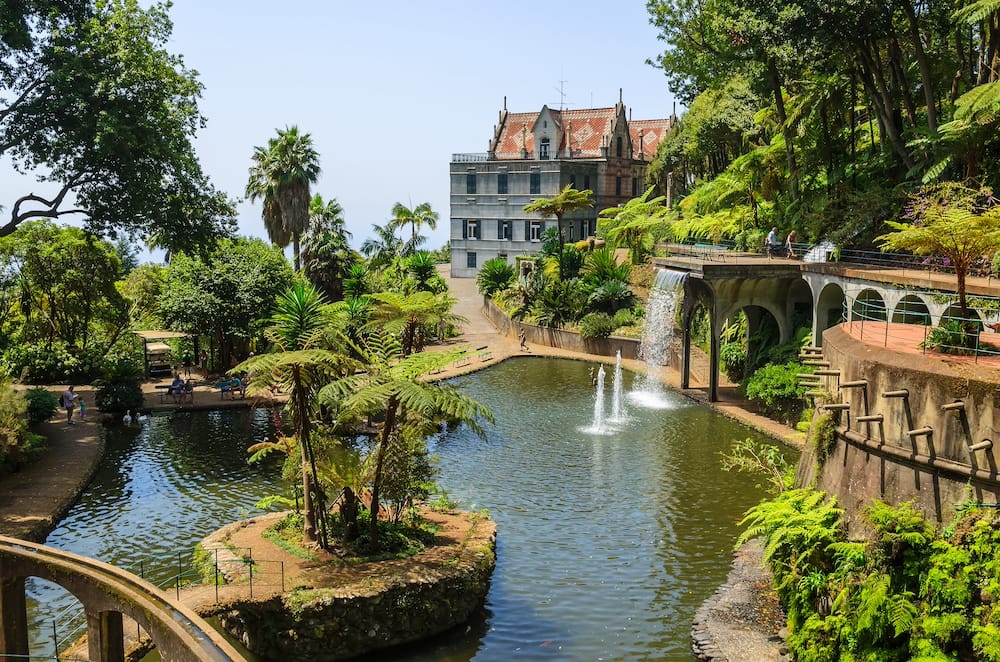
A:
[470,183]
[535,183]
[618,147]
[618,185]
[535,231]
[586,182]
[572,231]
[635,187]
[470,260]
[572,181]
[503,230]
[472,230]
[502,183]
[543,149]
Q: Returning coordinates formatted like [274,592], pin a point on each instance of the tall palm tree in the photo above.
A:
[327,216]
[568,200]
[420,215]
[392,391]
[303,360]
[281,174]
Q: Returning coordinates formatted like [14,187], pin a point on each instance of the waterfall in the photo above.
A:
[658,333]
[617,408]
[597,426]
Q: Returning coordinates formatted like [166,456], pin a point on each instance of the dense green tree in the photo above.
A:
[65,283]
[384,247]
[97,108]
[568,201]
[280,175]
[223,294]
[326,256]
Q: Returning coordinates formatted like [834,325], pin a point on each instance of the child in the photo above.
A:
[83,408]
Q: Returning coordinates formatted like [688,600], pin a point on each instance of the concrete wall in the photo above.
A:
[543,335]
[872,460]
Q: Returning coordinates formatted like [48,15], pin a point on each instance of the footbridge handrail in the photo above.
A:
[172,626]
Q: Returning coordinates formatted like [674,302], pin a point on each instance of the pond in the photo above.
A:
[608,540]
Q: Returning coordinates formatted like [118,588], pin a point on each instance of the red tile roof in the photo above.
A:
[587,129]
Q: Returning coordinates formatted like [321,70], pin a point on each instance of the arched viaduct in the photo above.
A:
[107,593]
[788,290]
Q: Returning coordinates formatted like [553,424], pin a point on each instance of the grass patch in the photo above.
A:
[287,534]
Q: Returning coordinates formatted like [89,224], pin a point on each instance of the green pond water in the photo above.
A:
[608,540]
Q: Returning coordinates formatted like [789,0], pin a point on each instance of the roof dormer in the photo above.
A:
[546,131]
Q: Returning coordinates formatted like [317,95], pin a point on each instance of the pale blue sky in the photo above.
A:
[390,89]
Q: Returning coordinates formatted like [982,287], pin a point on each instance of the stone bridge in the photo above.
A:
[794,293]
[107,593]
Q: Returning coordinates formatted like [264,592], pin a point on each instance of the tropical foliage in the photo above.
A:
[908,593]
[823,118]
[568,201]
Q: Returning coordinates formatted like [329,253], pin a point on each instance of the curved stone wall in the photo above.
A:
[436,592]
[933,442]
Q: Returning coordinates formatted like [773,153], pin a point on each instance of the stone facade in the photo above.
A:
[533,155]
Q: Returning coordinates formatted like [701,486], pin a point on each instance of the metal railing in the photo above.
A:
[473,157]
[869,321]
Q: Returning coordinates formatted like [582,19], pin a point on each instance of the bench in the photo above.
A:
[484,353]
[232,387]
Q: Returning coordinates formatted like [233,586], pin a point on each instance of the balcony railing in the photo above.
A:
[475,157]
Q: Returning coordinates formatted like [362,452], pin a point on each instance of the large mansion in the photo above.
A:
[533,155]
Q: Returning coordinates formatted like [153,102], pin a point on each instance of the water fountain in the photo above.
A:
[597,426]
[618,414]
[668,286]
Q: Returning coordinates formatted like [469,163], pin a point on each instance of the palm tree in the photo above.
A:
[569,200]
[303,361]
[407,315]
[420,215]
[326,257]
[384,247]
[281,174]
[392,391]
[634,225]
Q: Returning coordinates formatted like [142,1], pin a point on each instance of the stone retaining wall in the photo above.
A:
[885,460]
[328,618]
[569,340]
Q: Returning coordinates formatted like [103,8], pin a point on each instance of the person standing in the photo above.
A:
[82,413]
[771,243]
[186,361]
[67,400]
[203,361]
[524,341]
[790,244]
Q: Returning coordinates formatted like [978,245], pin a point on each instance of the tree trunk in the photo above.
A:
[387,429]
[786,131]
[295,249]
[922,64]
[349,514]
[309,536]
[559,231]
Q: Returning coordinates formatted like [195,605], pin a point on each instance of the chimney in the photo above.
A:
[642,156]
[524,140]
[569,139]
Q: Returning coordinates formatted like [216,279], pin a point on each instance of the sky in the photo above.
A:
[389,90]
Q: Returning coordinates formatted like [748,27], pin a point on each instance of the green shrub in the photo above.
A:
[42,405]
[33,363]
[778,390]
[119,388]
[949,337]
[624,317]
[495,275]
[597,325]
[733,357]
[611,296]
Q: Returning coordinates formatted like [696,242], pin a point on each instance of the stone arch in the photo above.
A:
[954,312]
[763,332]
[828,310]
[869,305]
[800,305]
[911,309]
